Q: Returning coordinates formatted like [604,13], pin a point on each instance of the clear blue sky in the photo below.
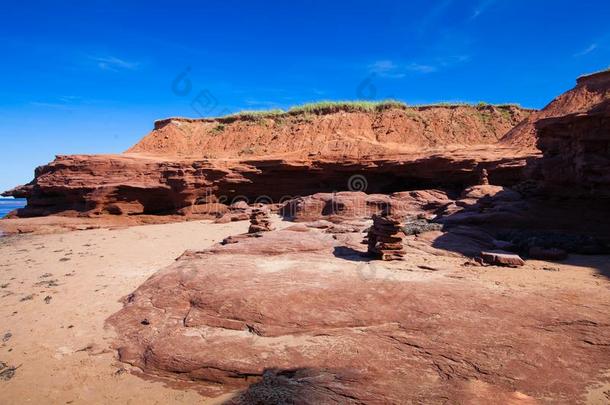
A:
[78,78]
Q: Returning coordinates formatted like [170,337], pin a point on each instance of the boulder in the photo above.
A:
[500,258]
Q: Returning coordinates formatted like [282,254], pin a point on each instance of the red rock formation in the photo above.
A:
[337,207]
[501,258]
[280,317]
[188,167]
[576,150]
[590,90]
[336,133]
[130,184]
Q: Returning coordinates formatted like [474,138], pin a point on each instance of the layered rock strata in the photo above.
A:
[335,132]
[576,150]
[590,91]
[136,185]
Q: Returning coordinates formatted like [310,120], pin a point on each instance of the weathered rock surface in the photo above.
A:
[303,325]
[333,133]
[576,150]
[135,185]
[341,206]
[590,91]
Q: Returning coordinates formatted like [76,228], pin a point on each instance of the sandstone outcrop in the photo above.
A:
[344,205]
[194,168]
[590,90]
[576,149]
[135,185]
[303,325]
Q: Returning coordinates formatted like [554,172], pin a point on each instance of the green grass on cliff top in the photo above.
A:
[327,107]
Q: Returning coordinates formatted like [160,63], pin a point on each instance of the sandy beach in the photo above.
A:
[58,290]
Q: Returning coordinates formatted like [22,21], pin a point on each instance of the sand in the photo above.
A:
[60,345]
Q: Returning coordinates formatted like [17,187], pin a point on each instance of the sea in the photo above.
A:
[9,204]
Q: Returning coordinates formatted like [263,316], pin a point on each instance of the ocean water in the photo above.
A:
[9,204]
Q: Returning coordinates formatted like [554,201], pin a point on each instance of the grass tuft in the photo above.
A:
[325,107]
[329,107]
[218,128]
[254,115]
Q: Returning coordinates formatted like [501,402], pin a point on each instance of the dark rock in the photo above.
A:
[500,258]
[415,226]
[537,252]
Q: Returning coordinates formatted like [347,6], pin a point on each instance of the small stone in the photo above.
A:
[483,177]
[6,372]
[502,259]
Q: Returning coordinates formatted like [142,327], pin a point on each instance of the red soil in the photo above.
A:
[339,133]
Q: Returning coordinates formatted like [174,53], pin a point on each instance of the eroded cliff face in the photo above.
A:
[130,185]
[590,91]
[189,166]
[332,133]
[576,150]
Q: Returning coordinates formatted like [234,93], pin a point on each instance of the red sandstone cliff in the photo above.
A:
[590,90]
[185,165]
[576,150]
[337,132]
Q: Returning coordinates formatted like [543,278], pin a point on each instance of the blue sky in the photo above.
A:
[92,78]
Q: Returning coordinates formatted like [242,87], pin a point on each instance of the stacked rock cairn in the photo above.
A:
[260,221]
[385,237]
[483,177]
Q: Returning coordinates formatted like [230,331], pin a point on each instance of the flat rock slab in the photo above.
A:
[502,259]
[282,319]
